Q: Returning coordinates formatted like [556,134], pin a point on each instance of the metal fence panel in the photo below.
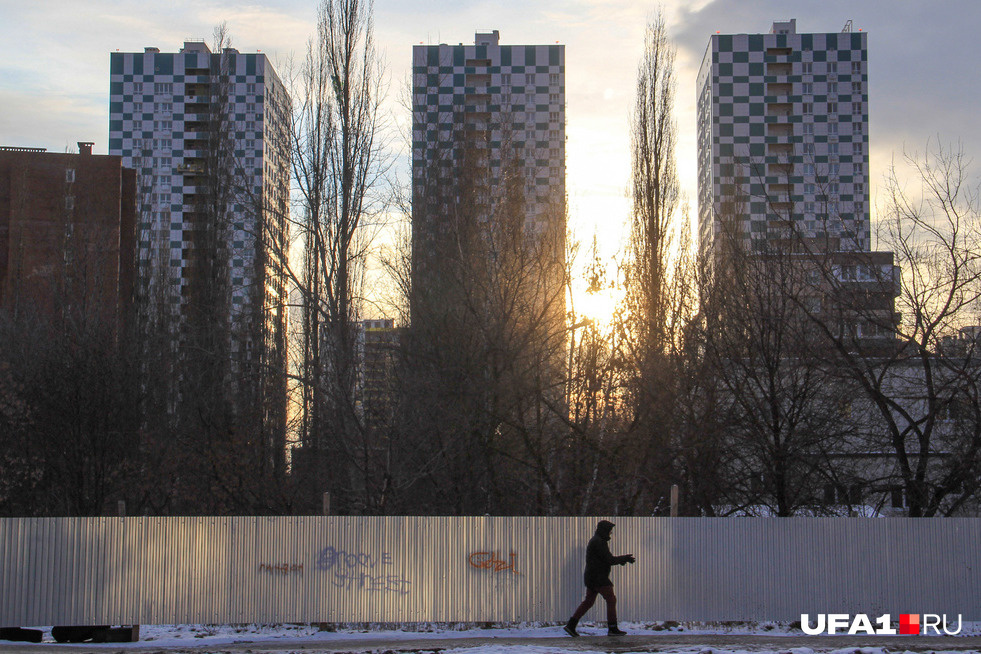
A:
[403,569]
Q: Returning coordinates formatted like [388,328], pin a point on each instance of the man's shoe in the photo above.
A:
[570,628]
[615,631]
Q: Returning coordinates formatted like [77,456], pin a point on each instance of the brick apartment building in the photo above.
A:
[67,224]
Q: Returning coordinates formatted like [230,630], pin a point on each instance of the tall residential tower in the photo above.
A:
[488,132]
[208,135]
[783,138]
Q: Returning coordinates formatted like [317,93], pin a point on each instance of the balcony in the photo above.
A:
[190,168]
[779,149]
[780,169]
[779,89]
[779,69]
[779,109]
[197,90]
[478,80]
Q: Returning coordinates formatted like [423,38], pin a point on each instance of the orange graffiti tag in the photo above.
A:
[490,561]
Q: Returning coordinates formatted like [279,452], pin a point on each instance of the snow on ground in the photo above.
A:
[284,636]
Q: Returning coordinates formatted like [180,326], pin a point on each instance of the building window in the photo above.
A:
[833,88]
[832,107]
[832,148]
[553,98]
[856,148]
[856,87]
[553,79]
[856,68]
[70,175]
[856,128]
[808,189]
[529,79]
[807,88]
[808,108]
[833,129]
[856,107]
[807,68]
[809,170]
[69,202]
[809,149]
[808,129]
[161,87]
[506,79]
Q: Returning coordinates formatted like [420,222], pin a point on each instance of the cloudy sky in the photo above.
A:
[924,72]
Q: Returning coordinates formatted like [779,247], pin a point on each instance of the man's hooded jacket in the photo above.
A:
[599,560]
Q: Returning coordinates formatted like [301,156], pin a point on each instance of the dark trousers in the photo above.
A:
[587,603]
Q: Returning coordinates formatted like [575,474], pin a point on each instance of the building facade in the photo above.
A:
[66,234]
[489,125]
[783,139]
[207,134]
[379,342]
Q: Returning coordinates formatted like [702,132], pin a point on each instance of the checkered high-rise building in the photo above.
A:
[208,135]
[783,139]
[163,109]
[498,110]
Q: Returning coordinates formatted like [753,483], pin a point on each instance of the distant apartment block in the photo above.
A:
[379,344]
[66,234]
[783,139]
[495,113]
[208,136]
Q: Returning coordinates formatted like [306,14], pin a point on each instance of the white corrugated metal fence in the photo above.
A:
[402,569]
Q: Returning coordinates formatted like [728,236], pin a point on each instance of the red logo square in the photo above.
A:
[909,623]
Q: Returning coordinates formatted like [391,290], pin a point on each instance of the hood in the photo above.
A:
[604,528]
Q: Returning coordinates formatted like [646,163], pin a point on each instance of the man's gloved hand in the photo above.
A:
[631,559]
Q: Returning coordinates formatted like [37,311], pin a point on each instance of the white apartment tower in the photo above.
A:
[207,133]
[783,138]
[165,110]
[502,109]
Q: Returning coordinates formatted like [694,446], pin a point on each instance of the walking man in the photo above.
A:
[597,578]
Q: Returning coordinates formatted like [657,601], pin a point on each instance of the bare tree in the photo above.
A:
[338,165]
[920,374]
[653,293]
[778,405]
[655,188]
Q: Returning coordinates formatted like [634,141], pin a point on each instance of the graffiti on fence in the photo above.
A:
[361,571]
[281,568]
[491,561]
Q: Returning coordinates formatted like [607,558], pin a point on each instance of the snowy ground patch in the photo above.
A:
[520,638]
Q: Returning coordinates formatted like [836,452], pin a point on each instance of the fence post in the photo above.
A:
[326,626]
[674,500]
